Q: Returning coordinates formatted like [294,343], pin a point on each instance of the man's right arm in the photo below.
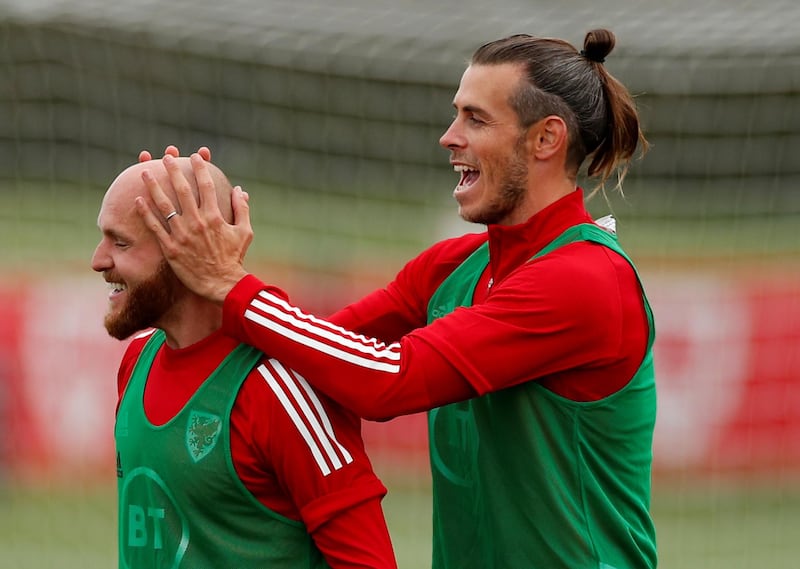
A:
[402,306]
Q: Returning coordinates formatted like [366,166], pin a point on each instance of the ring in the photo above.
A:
[171,215]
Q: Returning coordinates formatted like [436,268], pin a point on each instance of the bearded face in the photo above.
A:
[512,180]
[146,304]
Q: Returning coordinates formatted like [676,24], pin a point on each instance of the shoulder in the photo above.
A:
[281,395]
[583,279]
[578,275]
[295,426]
[590,261]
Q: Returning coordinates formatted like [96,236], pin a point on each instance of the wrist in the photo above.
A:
[220,289]
[237,302]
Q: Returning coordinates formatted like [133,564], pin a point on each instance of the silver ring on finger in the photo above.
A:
[171,215]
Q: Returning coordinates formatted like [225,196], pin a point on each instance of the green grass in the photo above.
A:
[43,526]
[705,525]
[717,525]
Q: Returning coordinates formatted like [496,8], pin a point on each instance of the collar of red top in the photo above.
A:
[512,245]
[207,353]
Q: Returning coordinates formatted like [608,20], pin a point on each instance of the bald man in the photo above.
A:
[225,457]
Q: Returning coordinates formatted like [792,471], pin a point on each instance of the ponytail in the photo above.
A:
[624,133]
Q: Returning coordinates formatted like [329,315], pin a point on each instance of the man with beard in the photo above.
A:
[225,457]
[530,344]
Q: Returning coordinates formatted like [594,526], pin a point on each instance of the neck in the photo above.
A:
[189,321]
[538,197]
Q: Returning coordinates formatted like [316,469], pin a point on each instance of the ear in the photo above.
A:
[548,138]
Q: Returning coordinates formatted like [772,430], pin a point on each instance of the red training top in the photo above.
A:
[339,506]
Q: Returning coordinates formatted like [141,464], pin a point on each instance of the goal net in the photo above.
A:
[329,116]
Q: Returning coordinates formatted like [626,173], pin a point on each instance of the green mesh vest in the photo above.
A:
[524,478]
[181,504]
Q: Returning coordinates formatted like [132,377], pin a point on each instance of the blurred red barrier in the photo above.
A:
[727,359]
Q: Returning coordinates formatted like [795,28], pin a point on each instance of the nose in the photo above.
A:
[101,260]
[452,137]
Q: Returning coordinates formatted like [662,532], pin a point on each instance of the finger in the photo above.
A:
[241,209]
[158,197]
[240,202]
[241,220]
[153,223]
[205,185]
[183,190]
[145,156]
[172,150]
[205,152]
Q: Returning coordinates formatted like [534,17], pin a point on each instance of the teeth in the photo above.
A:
[117,287]
[462,168]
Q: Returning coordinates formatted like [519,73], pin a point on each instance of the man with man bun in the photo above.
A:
[529,343]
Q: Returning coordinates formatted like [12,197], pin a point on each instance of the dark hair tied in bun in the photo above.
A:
[597,45]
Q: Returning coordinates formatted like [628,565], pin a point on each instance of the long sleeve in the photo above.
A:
[359,372]
[530,327]
[392,312]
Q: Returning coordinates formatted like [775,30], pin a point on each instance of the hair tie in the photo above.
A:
[587,56]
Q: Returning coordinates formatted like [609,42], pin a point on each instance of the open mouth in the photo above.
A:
[469,176]
[115,289]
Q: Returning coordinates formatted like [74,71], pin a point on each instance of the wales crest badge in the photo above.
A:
[202,432]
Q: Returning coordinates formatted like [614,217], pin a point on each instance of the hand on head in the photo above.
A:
[205,249]
[172,150]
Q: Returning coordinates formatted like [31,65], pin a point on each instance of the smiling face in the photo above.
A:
[143,288]
[488,146]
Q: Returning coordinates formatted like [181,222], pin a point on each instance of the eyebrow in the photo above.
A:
[473,109]
[115,235]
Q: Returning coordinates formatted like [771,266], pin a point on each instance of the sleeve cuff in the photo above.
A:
[236,303]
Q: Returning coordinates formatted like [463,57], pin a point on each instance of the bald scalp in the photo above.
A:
[131,180]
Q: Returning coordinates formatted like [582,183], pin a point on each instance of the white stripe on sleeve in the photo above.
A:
[323,337]
[331,350]
[321,325]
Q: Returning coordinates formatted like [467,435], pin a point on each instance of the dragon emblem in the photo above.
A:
[202,432]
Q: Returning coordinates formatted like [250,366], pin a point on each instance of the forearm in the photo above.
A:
[374,379]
